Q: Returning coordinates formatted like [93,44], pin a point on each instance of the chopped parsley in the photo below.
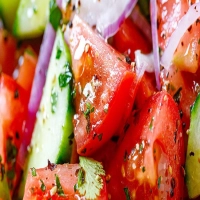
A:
[42,187]
[33,172]
[126,191]
[159,181]
[58,52]
[151,124]
[54,99]
[87,112]
[64,79]
[60,191]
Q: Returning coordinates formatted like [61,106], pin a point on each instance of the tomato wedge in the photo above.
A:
[149,161]
[13,109]
[105,88]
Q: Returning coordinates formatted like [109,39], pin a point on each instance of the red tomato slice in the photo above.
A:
[129,38]
[8,60]
[56,182]
[105,88]
[187,54]
[13,109]
[149,160]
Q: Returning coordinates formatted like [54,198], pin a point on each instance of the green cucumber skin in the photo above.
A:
[50,140]
[8,9]
[31,18]
[192,166]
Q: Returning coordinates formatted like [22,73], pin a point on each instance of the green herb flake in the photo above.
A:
[64,79]
[87,112]
[60,191]
[55,14]
[159,181]
[33,172]
[141,147]
[54,99]
[92,184]
[58,52]
[126,191]
[42,187]
[151,124]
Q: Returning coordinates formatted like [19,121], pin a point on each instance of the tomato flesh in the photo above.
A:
[13,100]
[105,88]
[149,160]
[129,38]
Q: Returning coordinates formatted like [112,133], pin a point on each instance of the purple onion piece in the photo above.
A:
[112,28]
[37,89]
[153,15]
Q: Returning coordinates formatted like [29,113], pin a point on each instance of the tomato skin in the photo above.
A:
[113,89]
[8,60]
[160,158]
[13,100]
[130,38]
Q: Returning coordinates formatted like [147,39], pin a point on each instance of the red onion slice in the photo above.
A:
[37,89]
[185,22]
[153,15]
[106,15]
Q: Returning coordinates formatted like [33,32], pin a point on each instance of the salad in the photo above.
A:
[99,99]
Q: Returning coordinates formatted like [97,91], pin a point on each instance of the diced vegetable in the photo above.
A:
[31,18]
[8,10]
[105,87]
[192,166]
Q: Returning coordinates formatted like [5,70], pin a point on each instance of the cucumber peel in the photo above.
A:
[192,166]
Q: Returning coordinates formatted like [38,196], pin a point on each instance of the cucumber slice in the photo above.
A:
[52,133]
[31,18]
[192,166]
[8,9]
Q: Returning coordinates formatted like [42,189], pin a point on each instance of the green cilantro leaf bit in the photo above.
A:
[91,181]
[126,191]
[33,172]
[55,14]
[60,191]
[42,187]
